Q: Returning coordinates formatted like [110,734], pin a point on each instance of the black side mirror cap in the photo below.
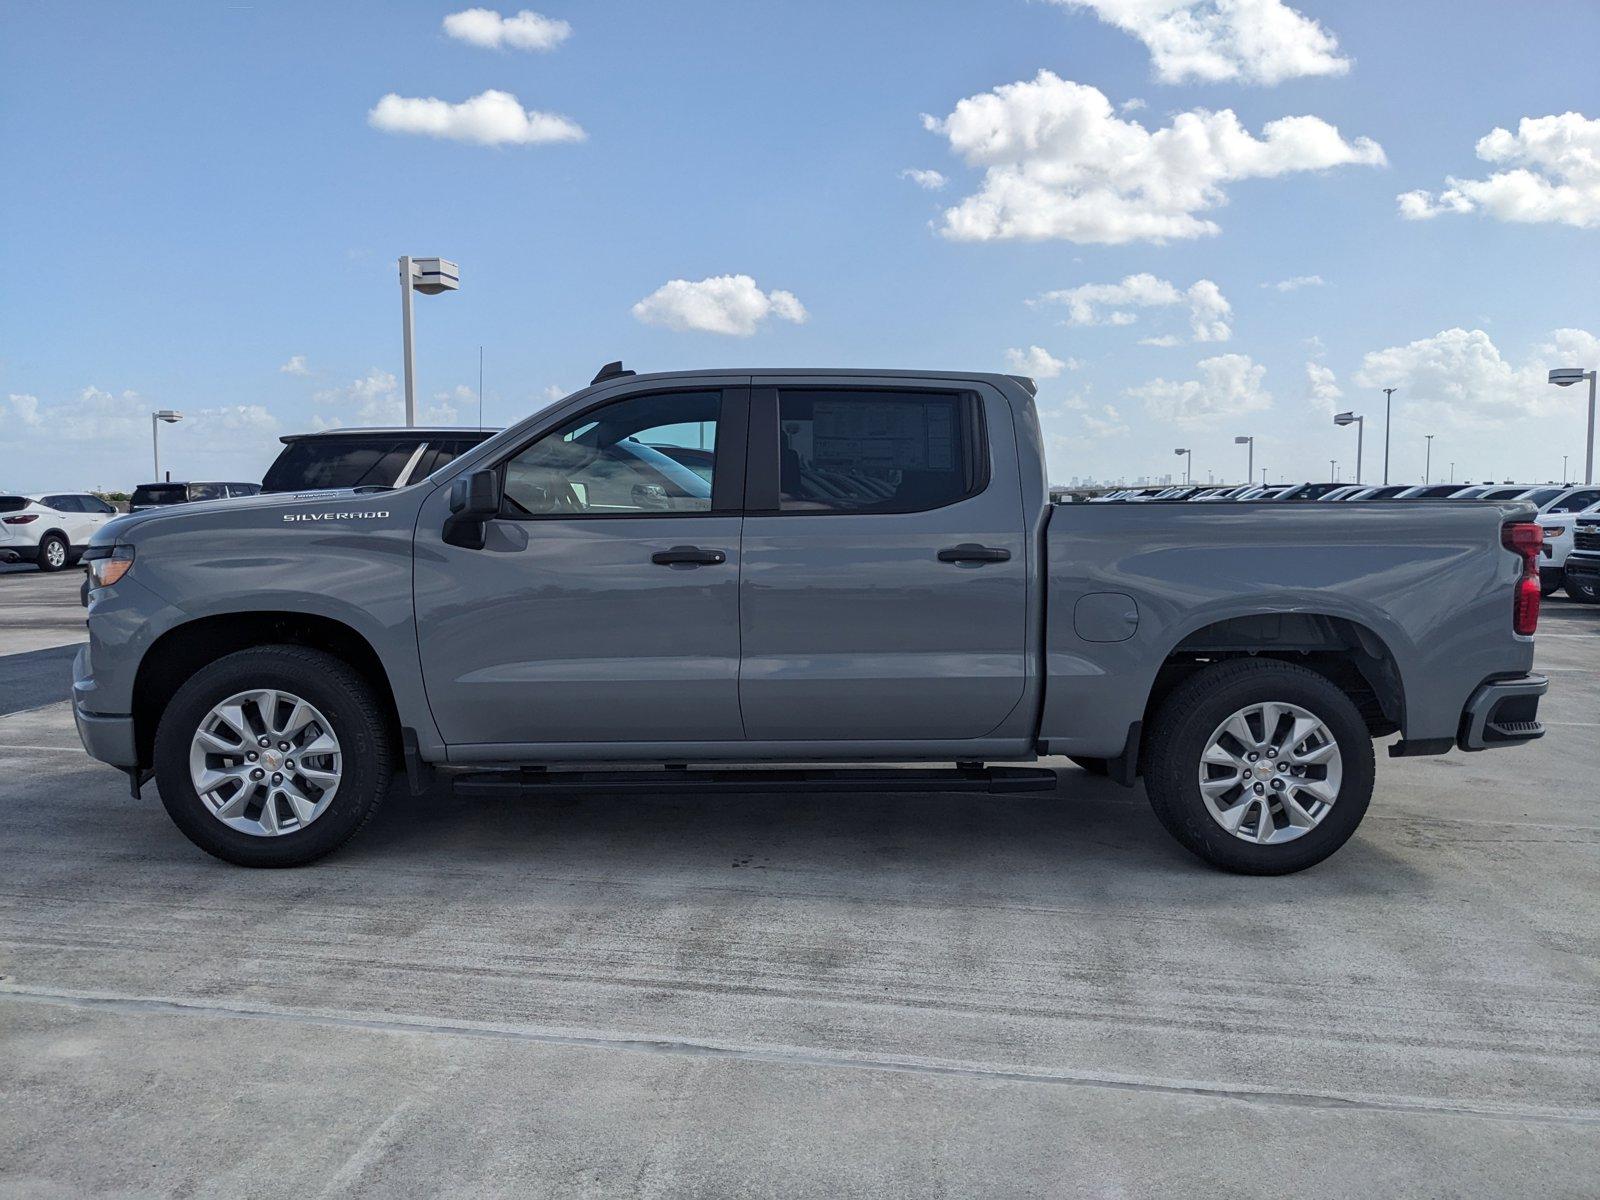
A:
[474,501]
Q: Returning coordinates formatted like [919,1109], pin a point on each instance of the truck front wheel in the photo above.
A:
[1259,766]
[273,756]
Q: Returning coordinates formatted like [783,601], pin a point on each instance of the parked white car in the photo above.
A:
[1558,541]
[51,529]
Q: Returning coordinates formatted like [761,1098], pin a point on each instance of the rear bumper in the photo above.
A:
[9,556]
[1503,712]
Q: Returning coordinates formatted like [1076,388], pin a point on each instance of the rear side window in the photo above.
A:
[864,451]
[158,493]
[208,491]
[13,503]
[244,489]
[337,462]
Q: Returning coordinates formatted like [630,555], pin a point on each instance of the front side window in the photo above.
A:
[618,460]
[843,450]
[1576,502]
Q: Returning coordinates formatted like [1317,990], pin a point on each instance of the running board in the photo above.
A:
[676,781]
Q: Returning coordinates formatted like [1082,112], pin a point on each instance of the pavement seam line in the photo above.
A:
[153,1006]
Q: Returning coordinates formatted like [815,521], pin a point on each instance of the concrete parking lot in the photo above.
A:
[860,995]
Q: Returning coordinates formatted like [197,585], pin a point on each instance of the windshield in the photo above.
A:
[308,464]
[158,493]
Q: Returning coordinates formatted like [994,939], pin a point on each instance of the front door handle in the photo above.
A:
[688,556]
[971,552]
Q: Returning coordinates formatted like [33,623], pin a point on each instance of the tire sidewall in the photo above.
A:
[1184,810]
[327,684]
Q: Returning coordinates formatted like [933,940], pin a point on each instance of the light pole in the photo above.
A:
[1333,470]
[1564,458]
[1566,377]
[1427,467]
[1360,422]
[1388,400]
[430,276]
[1188,462]
[1250,461]
[170,416]
[1452,472]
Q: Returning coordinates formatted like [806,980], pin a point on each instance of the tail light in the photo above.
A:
[1525,539]
[25,519]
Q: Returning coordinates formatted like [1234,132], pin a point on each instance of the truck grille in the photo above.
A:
[1586,537]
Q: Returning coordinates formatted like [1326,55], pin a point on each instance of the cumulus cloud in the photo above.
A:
[1110,424]
[295,366]
[525,31]
[25,409]
[1112,304]
[1322,387]
[490,118]
[1038,363]
[1459,377]
[1059,164]
[1553,176]
[728,304]
[1213,41]
[929,180]
[1297,282]
[1229,386]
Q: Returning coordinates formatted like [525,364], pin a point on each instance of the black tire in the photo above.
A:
[1583,593]
[331,686]
[1095,766]
[1549,587]
[1182,728]
[50,546]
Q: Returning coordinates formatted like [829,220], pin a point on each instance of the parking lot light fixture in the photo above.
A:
[1250,461]
[430,276]
[1427,467]
[170,417]
[1188,462]
[1566,377]
[1360,422]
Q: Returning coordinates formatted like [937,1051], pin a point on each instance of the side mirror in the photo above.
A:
[474,501]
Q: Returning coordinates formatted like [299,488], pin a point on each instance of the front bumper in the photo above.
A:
[106,736]
[1583,568]
[1503,712]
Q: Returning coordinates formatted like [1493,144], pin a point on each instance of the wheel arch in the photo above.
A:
[177,654]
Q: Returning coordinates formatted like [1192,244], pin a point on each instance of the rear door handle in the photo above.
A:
[688,556]
[971,552]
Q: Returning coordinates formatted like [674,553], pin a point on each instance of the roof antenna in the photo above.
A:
[612,370]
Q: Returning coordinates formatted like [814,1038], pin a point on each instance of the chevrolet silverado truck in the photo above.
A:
[1583,562]
[869,572]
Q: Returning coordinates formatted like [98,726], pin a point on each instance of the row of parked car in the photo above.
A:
[53,528]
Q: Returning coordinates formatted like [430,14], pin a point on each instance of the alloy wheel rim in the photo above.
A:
[265,762]
[56,554]
[1271,772]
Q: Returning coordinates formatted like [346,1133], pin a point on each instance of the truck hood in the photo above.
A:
[131,527]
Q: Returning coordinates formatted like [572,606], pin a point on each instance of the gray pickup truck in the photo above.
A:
[734,568]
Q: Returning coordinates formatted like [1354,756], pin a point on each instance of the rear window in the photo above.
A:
[158,493]
[338,462]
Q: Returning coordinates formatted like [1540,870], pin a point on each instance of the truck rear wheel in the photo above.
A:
[273,756]
[1259,766]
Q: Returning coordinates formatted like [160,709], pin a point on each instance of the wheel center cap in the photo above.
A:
[1264,769]
[271,760]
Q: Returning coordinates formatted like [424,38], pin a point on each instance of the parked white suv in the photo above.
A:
[1557,518]
[50,529]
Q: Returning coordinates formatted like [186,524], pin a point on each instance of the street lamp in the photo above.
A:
[1360,422]
[170,416]
[1427,468]
[1388,400]
[1333,470]
[1566,377]
[1187,462]
[1250,462]
[430,276]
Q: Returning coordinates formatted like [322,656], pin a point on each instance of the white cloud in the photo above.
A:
[1132,104]
[930,180]
[25,409]
[1229,386]
[1110,304]
[1322,387]
[1554,176]
[1058,163]
[1038,363]
[295,366]
[1211,41]
[525,31]
[554,391]
[1166,341]
[729,304]
[1460,378]
[490,118]
[1109,425]
[1295,283]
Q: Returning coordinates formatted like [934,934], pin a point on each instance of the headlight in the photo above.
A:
[107,564]
[1553,531]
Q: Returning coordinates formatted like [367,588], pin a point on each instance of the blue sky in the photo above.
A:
[196,197]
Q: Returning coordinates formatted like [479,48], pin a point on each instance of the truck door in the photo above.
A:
[603,606]
[884,588]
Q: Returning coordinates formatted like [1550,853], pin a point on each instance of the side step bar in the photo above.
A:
[676,781]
